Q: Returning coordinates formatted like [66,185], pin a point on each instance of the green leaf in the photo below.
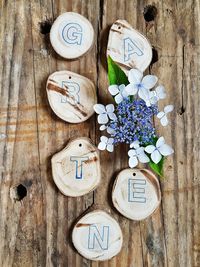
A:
[157,168]
[115,73]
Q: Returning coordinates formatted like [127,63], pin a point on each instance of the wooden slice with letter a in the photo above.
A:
[71,96]
[97,236]
[128,47]
[136,193]
[76,169]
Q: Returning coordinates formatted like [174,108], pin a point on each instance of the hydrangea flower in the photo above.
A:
[105,112]
[106,143]
[131,120]
[162,115]
[136,155]
[119,92]
[159,150]
[140,85]
[134,122]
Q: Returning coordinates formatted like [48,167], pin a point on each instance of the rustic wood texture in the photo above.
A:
[36,231]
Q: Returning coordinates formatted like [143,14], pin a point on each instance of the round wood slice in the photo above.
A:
[71,96]
[76,169]
[97,236]
[128,47]
[136,193]
[71,35]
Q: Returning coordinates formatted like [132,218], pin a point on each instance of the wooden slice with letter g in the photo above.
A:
[128,47]
[71,96]
[76,169]
[136,193]
[71,35]
[97,236]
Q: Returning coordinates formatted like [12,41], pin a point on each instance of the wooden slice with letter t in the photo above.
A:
[136,193]
[97,236]
[128,47]
[71,96]
[76,169]
[71,35]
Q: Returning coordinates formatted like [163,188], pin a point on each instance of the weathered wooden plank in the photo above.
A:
[61,212]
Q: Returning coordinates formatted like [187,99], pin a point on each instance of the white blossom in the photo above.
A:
[162,115]
[136,155]
[140,85]
[105,112]
[106,143]
[119,91]
[159,150]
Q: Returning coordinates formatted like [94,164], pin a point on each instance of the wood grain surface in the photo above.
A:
[35,218]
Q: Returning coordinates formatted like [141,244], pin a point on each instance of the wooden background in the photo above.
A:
[35,231]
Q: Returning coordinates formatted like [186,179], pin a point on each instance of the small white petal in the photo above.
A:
[139,150]
[156,156]
[110,108]
[160,92]
[133,161]
[104,139]
[149,81]
[118,98]
[110,130]
[112,116]
[131,89]
[135,144]
[102,118]
[150,148]
[102,146]
[131,153]
[110,141]
[164,121]
[99,108]
[160,141]
[102,127]
[143,93]
[165,150]
[160,114]
[121,87]
[143,158]
[135,76]
[168,108]
[110,148]
[113,89]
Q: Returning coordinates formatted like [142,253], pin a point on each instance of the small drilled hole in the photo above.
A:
[18,192]
[45,26]
[150,13]
[80,145]
[70,77]
[119,28]
[134,174]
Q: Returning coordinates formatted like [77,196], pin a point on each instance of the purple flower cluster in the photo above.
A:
[134,122]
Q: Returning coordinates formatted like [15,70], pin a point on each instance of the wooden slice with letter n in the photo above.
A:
[71,35]
[71,96]
[128,47]
[76,169]
[136,193]
[97,236]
